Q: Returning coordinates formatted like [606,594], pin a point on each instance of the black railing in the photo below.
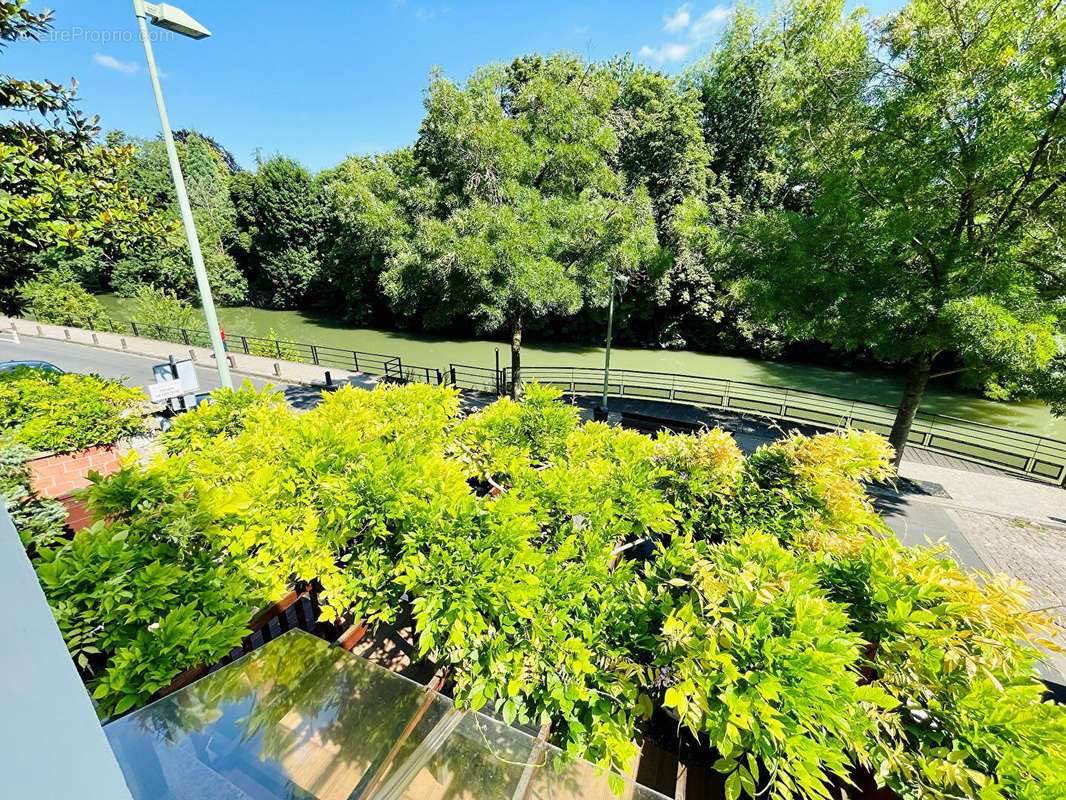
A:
[1006,449]
[387,366]
[1013,451]
[479,379]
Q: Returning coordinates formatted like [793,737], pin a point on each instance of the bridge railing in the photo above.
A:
[1014,451]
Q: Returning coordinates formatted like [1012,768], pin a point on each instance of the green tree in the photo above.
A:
[532,216]
[160,307]
[56,296]
[282,216]
[58,187]
[207,179]
[927,160]
[738,114]
[371,203]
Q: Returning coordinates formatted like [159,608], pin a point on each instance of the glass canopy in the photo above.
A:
[301,719]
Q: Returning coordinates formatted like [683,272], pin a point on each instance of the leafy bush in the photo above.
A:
[228,413]
[770,615]
[274,347]
[57,297]
[754,654]
[151,606]
[49,411]
[39,521]
[533,430]
[162,307]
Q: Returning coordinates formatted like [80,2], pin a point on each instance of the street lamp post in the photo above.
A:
[601,412]
[176,20]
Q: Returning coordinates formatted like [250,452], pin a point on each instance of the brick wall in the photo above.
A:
[59,475]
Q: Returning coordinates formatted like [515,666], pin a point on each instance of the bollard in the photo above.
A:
[123,342]
[277,368]
[192,354]
[66,332]
[96,339]
[40,331]
[329,379]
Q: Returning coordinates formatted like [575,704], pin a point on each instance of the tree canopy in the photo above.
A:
[58,187]
[533,215]
[921,214]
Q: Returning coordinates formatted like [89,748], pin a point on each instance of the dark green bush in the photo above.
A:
[57,297]
[39,521]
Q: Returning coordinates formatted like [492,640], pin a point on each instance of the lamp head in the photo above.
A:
[170,18]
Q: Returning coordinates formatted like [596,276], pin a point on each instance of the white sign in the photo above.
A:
[164,390]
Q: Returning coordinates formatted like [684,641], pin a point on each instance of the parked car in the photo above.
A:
[8,366]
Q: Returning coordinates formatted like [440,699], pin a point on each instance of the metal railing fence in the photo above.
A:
[390,367]
[1010,450]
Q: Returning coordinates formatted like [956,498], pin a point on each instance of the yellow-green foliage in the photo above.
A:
[274,346]
[61,412]
[773,616]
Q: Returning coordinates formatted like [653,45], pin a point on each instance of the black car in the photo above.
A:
[9,366]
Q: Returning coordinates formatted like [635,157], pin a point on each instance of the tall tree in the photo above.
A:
[532,216]
[371,203]
[283,217]
[931,156]
[208,181]
[58,187]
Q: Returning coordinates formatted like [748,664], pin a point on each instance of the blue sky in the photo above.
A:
[345,78]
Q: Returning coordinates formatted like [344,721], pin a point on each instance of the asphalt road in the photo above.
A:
[133,370]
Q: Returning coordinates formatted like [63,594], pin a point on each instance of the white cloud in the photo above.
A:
[129,67]
[426,14]
[668,52]
[705,26]
[680,19]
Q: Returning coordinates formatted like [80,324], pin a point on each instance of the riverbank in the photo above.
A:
[879,387]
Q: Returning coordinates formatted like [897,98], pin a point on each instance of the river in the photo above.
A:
[423,350]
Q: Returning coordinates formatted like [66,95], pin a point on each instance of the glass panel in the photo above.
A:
[301,719]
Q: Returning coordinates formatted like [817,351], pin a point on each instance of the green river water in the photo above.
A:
[423,350]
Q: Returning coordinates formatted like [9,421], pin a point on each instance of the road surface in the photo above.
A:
[132,369]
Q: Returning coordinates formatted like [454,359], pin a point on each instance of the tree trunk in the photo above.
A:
[913,389]
[516,359]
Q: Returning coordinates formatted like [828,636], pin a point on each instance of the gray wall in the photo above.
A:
[51,743]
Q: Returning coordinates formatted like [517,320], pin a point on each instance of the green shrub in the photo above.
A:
[54,412]
[752,653]
[39,521]
[165,310]
[535,429]
[773,617]
[227,413]
[150,607]
[944,643]
[274,347]
[57,297]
